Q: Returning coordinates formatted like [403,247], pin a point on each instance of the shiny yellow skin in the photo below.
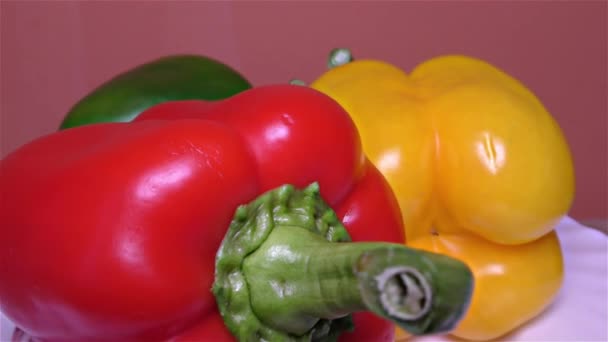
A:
[480,169]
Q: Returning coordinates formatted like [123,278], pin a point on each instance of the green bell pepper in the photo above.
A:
[170,78]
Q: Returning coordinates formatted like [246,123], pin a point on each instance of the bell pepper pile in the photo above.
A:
[215,221]
[480,169]
[178,203]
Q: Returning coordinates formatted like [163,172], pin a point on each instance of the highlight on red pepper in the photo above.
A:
[215,222]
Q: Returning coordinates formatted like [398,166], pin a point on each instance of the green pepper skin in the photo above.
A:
[170,78]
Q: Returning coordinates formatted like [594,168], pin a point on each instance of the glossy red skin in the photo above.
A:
[109,231]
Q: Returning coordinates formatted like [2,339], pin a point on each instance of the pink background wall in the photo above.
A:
[53,53]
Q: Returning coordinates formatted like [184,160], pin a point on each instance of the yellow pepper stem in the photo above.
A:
[339,56]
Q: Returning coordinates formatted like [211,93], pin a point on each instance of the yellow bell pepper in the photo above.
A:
[481,171]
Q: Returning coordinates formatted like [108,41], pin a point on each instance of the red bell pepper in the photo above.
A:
[128,231]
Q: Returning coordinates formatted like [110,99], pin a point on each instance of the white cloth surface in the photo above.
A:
[580,311]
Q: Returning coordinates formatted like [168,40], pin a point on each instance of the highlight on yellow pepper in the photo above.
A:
[481,170]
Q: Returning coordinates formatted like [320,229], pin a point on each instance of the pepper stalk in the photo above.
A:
[337,57]
[287,270]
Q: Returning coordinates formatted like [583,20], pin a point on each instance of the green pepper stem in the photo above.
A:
[297,81]
[288,271]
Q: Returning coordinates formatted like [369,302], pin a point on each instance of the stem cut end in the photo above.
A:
[422,292]
[405,292]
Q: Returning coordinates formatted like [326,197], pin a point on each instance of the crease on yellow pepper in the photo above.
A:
[481,170]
